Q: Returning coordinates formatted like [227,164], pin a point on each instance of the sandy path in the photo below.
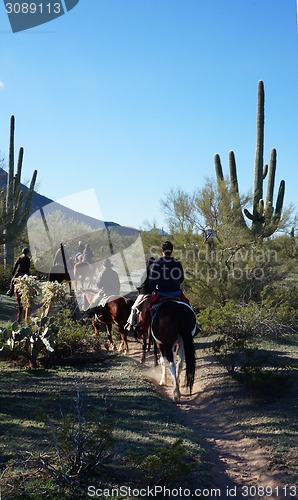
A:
[238,465]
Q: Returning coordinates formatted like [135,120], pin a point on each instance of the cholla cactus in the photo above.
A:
[29,288]
[52,292]
[31,340]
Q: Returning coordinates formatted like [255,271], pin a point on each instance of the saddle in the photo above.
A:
[154,310]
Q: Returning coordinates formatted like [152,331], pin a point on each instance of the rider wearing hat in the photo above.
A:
[108,284]
[109,281]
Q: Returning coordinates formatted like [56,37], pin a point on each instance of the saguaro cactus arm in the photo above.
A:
[14,204]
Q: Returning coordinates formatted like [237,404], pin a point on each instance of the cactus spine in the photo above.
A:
[14,206]
[265,219]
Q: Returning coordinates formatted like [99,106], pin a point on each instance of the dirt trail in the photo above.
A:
[238,464]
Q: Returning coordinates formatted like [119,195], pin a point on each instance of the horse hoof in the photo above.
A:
[176,397]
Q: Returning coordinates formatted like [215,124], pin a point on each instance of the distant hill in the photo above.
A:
[39,201]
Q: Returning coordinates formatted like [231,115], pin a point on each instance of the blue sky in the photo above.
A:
[135,97]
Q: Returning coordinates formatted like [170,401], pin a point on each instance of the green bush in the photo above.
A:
[5,277]
[238,329]
[77,448]
[282,300]
[266,384]
[165,465]
[234,327]
[74,337]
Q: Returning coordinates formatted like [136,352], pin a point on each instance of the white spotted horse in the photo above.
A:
[173,328]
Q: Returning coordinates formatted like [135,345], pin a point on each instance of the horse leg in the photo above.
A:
[175,380]
[163,380]
[123,345]
[155,351]
[109,333]
[20,307]
[144,347]
[20,311]
[180,358]
[174,370]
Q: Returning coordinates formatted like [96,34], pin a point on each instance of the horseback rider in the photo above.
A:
[87,255]
[108,284]
[21,267]
[58,258]
[165,278]
[79,253]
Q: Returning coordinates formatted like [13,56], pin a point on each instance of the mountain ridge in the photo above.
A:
[40,201]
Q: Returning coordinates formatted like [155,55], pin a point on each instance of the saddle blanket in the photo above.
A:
[102,300]
[155,308]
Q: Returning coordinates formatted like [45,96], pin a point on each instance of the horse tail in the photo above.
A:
[190,356]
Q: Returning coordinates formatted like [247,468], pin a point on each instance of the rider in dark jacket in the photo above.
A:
[109,282]
[21,267]
[165,278]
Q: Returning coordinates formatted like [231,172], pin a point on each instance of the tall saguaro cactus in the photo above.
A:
[14,205]
[265,219]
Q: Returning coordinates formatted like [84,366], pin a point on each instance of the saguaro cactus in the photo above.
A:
[265,219]
[14,205]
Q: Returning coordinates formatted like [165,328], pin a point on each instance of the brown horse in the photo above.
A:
[173,328]
[83,271]
[115,311]
[57,273]
[139,311]
[20,307]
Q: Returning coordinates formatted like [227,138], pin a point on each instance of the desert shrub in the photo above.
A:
[282,300]
[78,446]
[5,276]
[238,331]
[266,384]
[74,337]
[239,328]
[234,326]
[165,464]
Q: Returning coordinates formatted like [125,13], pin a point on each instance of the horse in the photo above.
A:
[115,311]
[85,271]
[173,326]
[58,273]
[82,271]
[139,311]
